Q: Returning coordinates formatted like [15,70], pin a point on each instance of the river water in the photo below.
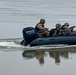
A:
[19,60]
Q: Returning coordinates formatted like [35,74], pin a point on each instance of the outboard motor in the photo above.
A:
[29,35]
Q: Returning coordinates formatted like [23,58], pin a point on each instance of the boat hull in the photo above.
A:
[70,40]
[30,37]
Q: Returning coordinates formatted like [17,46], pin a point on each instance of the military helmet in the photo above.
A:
[58,25]
[66,24]
[42,20]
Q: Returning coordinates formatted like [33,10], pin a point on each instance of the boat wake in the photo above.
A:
[15,43]
[10,43]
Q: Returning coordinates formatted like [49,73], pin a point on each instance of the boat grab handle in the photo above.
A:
[52,39]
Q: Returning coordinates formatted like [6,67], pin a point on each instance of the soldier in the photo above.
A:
[55,31]
[41,29]
[65,29]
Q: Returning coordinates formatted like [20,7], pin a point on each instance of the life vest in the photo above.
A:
[53,30]
[36,28]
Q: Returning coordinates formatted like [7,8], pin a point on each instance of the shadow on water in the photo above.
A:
[55,54]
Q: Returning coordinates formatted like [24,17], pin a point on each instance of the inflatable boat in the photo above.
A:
[31,38]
